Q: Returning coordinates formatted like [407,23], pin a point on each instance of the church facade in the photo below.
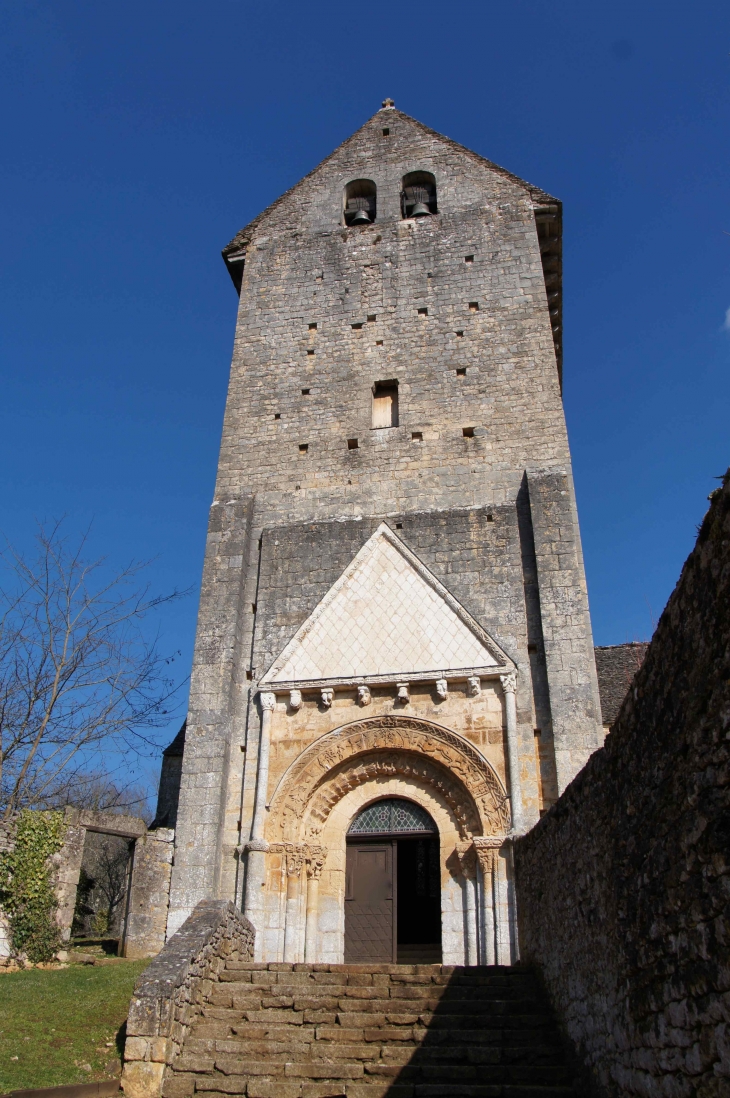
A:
[394,670]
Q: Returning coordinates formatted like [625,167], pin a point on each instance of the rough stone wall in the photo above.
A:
[175,988]
[149,894]
[623,888]
[455,308]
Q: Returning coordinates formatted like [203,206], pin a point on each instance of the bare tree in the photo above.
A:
[80,676]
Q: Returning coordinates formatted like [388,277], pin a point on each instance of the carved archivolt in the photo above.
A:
[389,746]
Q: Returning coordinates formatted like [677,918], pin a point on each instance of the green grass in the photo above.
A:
[54,1020]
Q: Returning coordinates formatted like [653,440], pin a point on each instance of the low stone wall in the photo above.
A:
[623,888]
[172,991]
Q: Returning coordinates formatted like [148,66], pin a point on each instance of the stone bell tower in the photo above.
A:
[394,600]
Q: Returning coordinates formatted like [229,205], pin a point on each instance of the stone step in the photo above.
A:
[376,1031]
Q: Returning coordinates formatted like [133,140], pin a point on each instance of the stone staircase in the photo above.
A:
[372,1031]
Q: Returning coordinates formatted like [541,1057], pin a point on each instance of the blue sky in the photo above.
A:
[138,138]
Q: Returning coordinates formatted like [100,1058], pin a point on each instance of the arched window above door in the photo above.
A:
[393,815]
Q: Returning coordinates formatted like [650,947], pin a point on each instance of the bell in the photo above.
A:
[420,210]
[362,217]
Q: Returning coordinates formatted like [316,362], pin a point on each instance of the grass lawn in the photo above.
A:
[55,1020]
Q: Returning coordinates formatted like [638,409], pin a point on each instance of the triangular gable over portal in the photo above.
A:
[387,618]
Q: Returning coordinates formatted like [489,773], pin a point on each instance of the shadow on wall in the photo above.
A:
[622,888]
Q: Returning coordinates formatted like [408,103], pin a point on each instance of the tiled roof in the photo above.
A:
[616,665]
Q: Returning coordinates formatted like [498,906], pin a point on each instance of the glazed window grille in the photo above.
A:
[392,816]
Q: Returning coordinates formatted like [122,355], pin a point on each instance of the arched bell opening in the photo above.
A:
[360,202]
[393,885]
[418,195]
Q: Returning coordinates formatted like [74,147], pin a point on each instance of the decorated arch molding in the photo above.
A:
[388,746]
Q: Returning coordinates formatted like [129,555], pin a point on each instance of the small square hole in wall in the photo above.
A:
[399,525]
[306,392]
[249,675]
[277,415]
[461,371]
[467,432]
[298,487]
[460,333]
[417,436]
[303,447]
[468,258]
[372,317]
[352,444]
[378,343]
[490,518]
[357,327]
[386,131]
[473,306]
[313,327]
[310,352]
[423,312]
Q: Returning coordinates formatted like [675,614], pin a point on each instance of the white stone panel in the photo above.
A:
[386,615]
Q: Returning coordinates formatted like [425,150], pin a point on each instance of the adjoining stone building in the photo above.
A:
[394,669]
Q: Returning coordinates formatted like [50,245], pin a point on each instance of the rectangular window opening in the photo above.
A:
[417,436]
[310,352]
[386,131]
[399,525]
[372,317]
[473,306]
[467,432]
[303,447]
[385,404]
[461,371]
[468,258]
[277,415]
[357,327]
[313,327]
[423,312]
[306,392]
[460,333]
[352,444]
[490,518]
[378,343]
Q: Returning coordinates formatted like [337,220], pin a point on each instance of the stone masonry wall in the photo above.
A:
[454,307]
[175,987]
[623,888]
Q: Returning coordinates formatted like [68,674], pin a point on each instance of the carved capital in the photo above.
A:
[268,700]
[257,844]
[467,856]
[509,682]
[295,854]
[316,857]
[487,849]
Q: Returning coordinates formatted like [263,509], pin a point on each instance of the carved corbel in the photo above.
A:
[404,693]
[295,700]
[364,696]
[327,696]
[442,689]
[473,686]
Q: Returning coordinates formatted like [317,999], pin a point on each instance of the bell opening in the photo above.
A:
[360,202]
[418,196]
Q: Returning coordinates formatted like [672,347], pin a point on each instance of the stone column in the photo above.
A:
[294,864]
[509,687]
[487,851]
[468,862]
[315,864]
[257,846]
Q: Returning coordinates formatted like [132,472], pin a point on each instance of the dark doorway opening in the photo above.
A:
[393,886]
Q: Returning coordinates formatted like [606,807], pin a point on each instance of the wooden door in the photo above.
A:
[370,923]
